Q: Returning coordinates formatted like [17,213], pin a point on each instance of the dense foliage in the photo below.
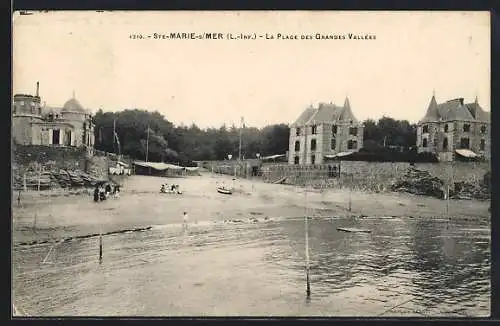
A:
[183,144]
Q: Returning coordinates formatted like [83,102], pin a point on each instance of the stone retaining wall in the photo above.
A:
[371,176]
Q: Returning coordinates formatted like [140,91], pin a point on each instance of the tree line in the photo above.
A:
[141,133]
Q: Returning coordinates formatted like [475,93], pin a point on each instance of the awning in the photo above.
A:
[191,168]
[272,157]
[158,165]
[466,153]
[341,154]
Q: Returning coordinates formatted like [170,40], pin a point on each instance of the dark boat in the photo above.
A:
[354,230]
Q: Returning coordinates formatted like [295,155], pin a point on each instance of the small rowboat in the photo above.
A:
[354,230]
[224,191]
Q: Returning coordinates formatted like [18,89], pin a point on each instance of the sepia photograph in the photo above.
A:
[251,164]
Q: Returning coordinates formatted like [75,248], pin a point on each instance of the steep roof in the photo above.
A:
[325,113]
[454,110]
[477,112]
[432,113]
[459,112]
[346,113]
[304,117]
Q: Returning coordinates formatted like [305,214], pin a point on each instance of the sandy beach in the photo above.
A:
[49,215]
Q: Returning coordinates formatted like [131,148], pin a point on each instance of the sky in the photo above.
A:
[267,81]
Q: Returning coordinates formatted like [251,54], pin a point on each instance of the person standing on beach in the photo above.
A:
[96,193]
[185,221]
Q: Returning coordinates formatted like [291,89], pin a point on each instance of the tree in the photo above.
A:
[390,132]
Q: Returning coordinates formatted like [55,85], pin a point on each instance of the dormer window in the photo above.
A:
[314,129]
[425,129]
[297,132]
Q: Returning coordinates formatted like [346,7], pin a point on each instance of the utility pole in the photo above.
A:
[239,148]
[241,128]
[147,145]
[115,138]
[306,222]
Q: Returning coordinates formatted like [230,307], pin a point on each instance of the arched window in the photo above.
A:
[297,146]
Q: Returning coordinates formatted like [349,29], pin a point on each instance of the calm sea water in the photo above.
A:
[404,267]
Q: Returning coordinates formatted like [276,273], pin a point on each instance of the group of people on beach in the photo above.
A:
[165,188]
[102,192]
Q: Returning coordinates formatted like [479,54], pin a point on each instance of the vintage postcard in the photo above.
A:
[243,163]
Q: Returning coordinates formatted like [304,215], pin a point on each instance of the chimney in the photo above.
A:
[37,89]
[461,101]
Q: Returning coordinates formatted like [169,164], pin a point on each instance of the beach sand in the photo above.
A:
[54,215]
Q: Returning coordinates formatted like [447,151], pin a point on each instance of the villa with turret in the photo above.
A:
[324,132]
[37,124]
[455,128]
